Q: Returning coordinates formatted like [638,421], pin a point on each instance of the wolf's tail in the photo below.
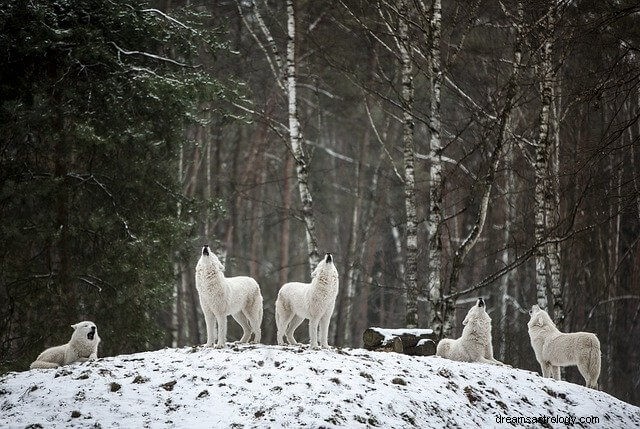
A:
[593,364]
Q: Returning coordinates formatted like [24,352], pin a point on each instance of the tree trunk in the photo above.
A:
[547,258]
[553,201]
[411,291]
[435,217]
[295,137]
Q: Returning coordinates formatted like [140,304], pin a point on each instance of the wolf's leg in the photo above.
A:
[43,364]
[555,372]
[589,380]
[222,331]
[313,332]
[291,329]
[546,369]
[324,329]
[491,361]
[589,365]
[282,320]
[210,321]
[244,322]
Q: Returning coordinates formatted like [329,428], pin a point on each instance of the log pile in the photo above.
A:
[413,342]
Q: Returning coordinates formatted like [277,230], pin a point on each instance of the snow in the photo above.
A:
[271,386]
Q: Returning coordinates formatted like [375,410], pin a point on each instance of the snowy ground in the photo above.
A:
[270,386]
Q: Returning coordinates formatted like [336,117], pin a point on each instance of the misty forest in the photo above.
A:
[440,150]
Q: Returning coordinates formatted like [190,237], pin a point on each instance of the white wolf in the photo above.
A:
[554,349]
[82,347]
[221,296]
[314,301]
[475,343]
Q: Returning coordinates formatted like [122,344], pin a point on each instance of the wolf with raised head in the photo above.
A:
[475,344]
[314,301]
[221,296]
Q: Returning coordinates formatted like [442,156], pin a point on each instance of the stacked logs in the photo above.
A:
[413,342]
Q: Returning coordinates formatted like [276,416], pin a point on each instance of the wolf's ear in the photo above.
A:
[220,266]
[315,271]
[466,320]
[75,326]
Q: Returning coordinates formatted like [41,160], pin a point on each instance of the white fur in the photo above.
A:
[314,301]
[475,343]
[555,349]
[79,349]
[221,296]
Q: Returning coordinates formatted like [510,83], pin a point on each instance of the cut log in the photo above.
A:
[415,342]
[412,346]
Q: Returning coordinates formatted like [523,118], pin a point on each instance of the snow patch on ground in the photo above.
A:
[270,386]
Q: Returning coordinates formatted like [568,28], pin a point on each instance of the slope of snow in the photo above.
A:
[269,386]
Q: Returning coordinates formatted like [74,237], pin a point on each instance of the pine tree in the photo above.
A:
[95,97]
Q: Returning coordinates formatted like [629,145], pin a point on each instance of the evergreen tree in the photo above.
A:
[95,96]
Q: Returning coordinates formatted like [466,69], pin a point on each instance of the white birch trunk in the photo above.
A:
[295,137]
[411,212]
[553,206]
[543,173]
[436,214]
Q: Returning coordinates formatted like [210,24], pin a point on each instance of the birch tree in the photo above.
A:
[436,186]
[411,229]
[547,256]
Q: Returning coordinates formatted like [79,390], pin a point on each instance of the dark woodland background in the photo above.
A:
[131,134]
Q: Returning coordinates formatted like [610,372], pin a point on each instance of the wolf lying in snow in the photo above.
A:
[314,301]
[475,343]
[82,347]
[554,349]
[221,296]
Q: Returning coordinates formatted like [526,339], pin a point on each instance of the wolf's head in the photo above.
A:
[209,261]
[539,318]
[326,269]
[477,313]
[85,332]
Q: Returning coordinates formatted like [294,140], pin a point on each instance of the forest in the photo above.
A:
[440,150]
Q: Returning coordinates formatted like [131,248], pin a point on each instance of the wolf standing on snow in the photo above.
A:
[554,349]
[475,343]
[221,296]
[314,301]
[82,347]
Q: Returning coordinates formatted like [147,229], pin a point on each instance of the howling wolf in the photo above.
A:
[475,343]
[221,296]
[314,301]
[82,347]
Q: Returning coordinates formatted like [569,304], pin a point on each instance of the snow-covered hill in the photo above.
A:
[268,386]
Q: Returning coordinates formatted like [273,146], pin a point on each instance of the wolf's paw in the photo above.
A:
[219,346]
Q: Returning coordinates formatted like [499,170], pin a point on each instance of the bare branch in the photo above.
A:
[147,54]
